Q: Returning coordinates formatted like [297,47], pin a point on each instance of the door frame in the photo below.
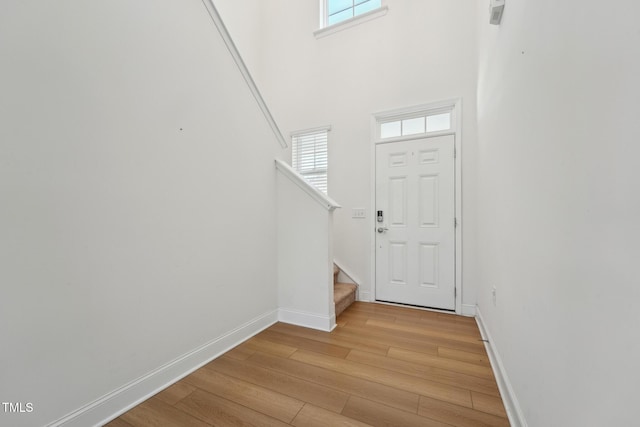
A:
[455,107]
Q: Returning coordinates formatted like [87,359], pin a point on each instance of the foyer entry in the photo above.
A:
[415,238]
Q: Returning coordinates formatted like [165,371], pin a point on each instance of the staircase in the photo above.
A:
[344,294]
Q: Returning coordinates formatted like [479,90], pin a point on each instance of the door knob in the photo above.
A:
[382,229]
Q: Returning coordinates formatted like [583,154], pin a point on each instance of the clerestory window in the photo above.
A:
[336,11]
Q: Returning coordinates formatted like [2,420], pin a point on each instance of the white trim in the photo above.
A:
[414,307]
[455,106]
[324,200]
[448,106]
[312,130]
[307,320]
[511,405]
[113,404]
[414,136]
[457,117]
[364,295]
[233,50]
[430,108]
[469,310]
[348,23]
[346,272]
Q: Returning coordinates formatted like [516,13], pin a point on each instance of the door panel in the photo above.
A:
[428,200]
[415,243]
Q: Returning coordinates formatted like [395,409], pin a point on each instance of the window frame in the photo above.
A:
[413,113]
[326,29]
[295,155]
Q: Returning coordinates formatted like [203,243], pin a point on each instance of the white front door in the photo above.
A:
[415,241]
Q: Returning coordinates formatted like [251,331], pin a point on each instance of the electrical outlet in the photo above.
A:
[358,213]
[493,295]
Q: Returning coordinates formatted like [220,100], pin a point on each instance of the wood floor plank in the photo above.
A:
[452,318]
[489,404]
[443,325]
[360,322]
[465,356]
[340,322]
[259,344]
[176,392]
[221,412]
[364,344]
[388,337]
[444,376]
[472,347]
[154,412]
[359,315]
[427,332]
[383,365]
[241,352]
[393,379]
[441,362]
[118,422]
[268,402]
[396,398]
[375,414]
[458,415]
[306,391]
[306,344]
[390,310]
[312,416]
[415,316]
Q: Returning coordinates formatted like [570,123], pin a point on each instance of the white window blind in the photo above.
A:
[309,156]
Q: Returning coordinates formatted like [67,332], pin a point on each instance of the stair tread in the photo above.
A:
[342,291]
[345,285]
[344,294]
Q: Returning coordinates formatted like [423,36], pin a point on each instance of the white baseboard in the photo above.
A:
[308,320]
[514,412]
[468,310]
[126,397]
[364,295]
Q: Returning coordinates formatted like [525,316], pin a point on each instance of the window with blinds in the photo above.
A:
[309,156]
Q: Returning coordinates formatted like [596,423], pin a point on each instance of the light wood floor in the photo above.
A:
[382,366]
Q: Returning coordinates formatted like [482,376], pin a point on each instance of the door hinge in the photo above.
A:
[455,292]
[455,222]
[455,152]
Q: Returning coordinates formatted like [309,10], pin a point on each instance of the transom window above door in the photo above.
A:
[337,11]
[417,123]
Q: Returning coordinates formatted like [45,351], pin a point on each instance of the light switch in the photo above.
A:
[359,213]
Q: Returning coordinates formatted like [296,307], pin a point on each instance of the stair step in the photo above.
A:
[344,294]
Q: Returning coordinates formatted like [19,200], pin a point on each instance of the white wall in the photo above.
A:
[421,51]
[559,205]
[244,21]
[305,273]
[138,208]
